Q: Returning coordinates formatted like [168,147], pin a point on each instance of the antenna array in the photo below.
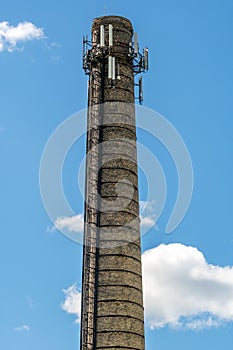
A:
[104,51]
[140,61]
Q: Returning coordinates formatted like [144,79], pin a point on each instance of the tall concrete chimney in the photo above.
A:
[112,304]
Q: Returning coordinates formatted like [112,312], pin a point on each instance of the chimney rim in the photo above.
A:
[111,19]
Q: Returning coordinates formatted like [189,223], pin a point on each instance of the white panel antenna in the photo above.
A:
[136,46]
[110,35]
[130,48]
[102,39]
[113,68]
[109,67]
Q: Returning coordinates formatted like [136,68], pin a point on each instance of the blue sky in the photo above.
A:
[190,83]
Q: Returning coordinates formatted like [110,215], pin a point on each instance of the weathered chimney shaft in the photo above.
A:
[112,303]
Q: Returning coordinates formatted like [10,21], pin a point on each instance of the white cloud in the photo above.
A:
[147,214]
[182,290]
[68,223]
[24,328]
[11,37]
[206,322]
[75,224]
[72,303]
[147,221]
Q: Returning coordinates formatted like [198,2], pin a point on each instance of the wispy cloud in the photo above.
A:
[30,301]
[24,328]
[207,321]
[53,50]
[11,37]
[72,303]
[147,221]
[147,214]
[69,224]
[75,224]
[182,290]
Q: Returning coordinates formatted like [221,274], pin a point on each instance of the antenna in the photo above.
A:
[136,46]
[113,68]
[110,28]
[140,90]
[130,48]
[146,58]
[84,46]
[109,67]
[86,54]
[102,41]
